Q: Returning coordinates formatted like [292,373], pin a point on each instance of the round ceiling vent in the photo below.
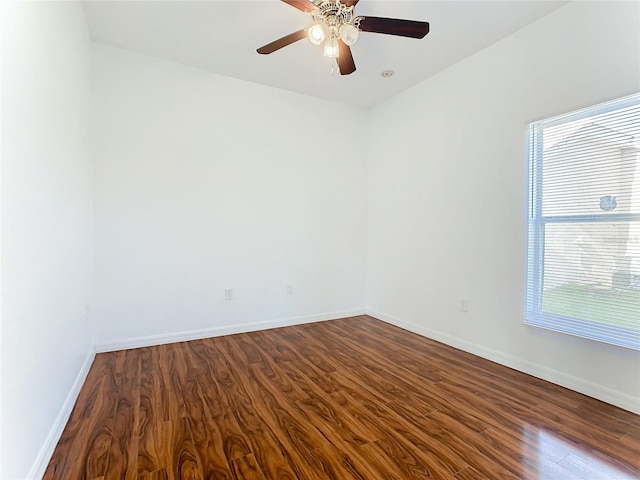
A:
[387,73]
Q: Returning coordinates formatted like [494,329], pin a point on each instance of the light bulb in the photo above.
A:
[349,33]
[331,48]
[316,34]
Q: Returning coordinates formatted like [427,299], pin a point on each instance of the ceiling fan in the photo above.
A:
[335,24]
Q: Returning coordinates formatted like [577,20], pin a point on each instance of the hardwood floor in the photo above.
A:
[346,399]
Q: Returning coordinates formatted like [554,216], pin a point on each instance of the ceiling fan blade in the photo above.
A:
[345,59]
[282,42]
[349,3]
[304,5]
[394,26]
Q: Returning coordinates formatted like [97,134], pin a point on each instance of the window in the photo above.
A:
[583,272]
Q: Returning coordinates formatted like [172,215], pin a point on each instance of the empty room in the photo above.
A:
[320,239]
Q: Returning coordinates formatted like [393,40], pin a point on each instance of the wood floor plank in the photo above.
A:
[404,440]
[278,352]
[151,413]
[155,475]
[268,452]
[276,407]
[102,380]
[471,473]
[174,450]
[587,470]
[83,449]
[246,468]
[208,440]
[506,400]
[413,461]
[385,456]
[262,370]
[171,372]
[294,371]
[346,399]
[464,365]
[329,462]
[123,448]
[335,424]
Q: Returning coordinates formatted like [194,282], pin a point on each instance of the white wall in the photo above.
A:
[447,188]
[204,182]
[46,223]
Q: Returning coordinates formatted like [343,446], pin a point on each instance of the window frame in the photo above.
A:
[536,223]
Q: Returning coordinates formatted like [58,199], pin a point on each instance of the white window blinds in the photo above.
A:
[583,275]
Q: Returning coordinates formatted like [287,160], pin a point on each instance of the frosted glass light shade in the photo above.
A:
[331,48]
[317,33]
[348,33]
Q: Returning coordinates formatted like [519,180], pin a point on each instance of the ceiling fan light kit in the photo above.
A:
[336,21]
[336,26]
[349,33]
[317,33]
[331,47]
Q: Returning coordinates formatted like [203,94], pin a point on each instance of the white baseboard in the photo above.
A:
[219,331]
[46,451]
[622,400]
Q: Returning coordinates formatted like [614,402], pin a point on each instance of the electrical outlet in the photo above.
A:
[464,305]
[289,289]
[228,293]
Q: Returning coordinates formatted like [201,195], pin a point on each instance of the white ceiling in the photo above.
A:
[222,37]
